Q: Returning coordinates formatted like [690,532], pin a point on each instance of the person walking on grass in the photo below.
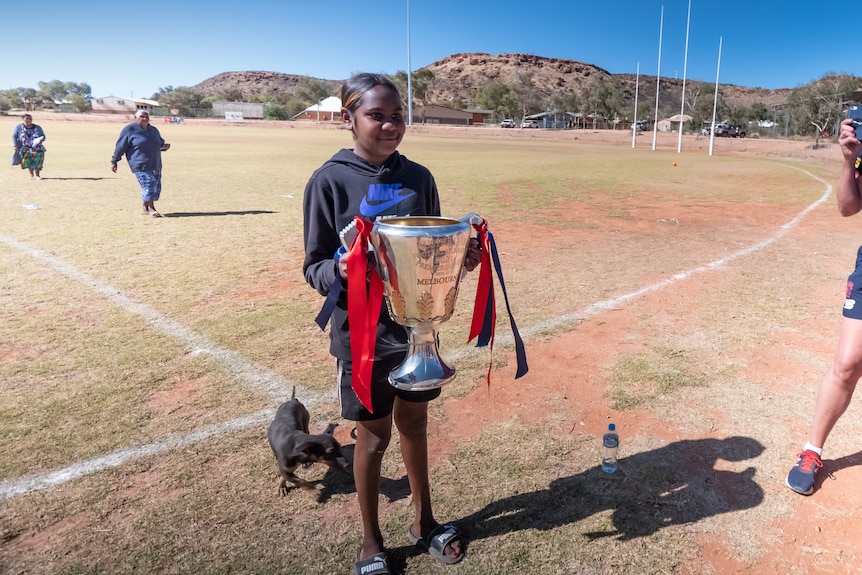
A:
[27,139]
[142,144]
[837,387]
[372,180]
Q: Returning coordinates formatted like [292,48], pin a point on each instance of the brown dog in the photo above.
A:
[294,446]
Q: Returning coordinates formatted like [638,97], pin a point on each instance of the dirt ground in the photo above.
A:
[817,534]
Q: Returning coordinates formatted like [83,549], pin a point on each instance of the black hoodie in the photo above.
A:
[346,186]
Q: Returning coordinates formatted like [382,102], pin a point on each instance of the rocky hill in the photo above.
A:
[460,75]
[243,85]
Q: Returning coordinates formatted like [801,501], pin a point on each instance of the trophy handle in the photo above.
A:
[472,219]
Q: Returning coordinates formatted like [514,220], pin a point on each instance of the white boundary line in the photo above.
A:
[256,376]
[274,385]
[28,484]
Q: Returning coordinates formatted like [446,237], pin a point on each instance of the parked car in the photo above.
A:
[730,130]
[530,124]
[722,129]
[641,126]
[507,123]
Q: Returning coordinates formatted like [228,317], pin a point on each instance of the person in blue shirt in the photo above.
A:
[142,144]
[27,139]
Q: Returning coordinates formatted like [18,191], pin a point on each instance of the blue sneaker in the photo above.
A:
[801,476]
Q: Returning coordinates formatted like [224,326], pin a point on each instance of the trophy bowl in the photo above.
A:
[420,259]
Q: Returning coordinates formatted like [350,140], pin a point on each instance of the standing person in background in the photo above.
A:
[837,387]
[27,139]
[372,180]
[142,145]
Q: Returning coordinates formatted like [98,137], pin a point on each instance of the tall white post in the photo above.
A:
[635,123]
[684,66]
[657,78]
[409,73]
[715,100]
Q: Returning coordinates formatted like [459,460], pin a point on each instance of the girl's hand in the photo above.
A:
[474,255]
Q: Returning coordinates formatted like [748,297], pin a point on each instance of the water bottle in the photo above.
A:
[610,445]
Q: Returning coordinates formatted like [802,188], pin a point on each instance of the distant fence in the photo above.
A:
[185,112]
[249,110]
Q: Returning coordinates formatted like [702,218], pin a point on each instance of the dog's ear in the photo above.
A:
[310,452]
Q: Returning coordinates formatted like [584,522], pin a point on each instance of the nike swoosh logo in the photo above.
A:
[372,209]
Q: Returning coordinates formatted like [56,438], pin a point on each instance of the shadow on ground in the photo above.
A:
[673,485]
[830,466]
[198,214]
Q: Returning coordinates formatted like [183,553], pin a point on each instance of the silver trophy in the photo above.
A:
[420,259]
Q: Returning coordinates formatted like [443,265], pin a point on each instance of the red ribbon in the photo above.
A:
[484,303]
[364,300]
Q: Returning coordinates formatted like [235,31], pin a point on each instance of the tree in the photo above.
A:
[525,93]
[423,78]
[51,92]
[232,95]
[313,90]
[11,98]
[759,111]
[80,103]
[182,98]
[274,112]
[815,107]
[295,105]
[602,99]
[420,80]
[29,98]
[499,98]
[457,103]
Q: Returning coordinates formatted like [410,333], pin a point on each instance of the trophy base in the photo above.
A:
[422,369]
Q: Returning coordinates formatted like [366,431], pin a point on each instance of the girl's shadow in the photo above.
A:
[673,485]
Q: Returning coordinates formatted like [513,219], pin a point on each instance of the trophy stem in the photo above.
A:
[423,368]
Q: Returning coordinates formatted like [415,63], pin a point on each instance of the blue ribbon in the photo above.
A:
[332,295]
[485,334]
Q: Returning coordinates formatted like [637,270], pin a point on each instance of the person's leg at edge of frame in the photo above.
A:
[833,397]
[839,383]
[372,439]
[411,420]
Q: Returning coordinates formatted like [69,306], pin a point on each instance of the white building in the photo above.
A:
[119,105]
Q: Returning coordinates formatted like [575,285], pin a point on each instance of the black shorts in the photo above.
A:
[383,393]
[853,299]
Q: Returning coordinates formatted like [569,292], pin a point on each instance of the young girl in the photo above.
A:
[373,180]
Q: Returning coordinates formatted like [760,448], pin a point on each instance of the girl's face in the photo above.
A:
[377,124]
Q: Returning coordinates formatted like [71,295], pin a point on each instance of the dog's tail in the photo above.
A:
[293,393]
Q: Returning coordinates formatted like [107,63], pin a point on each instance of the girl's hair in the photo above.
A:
[357,85]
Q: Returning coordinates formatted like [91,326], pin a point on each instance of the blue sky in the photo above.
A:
[132,50]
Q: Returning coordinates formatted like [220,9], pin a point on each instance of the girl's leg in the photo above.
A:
[411,419]
[372,439]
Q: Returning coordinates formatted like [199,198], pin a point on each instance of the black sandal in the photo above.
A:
[377,564]
[436,541]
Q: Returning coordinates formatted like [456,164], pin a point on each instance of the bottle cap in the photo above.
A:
[611,427]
